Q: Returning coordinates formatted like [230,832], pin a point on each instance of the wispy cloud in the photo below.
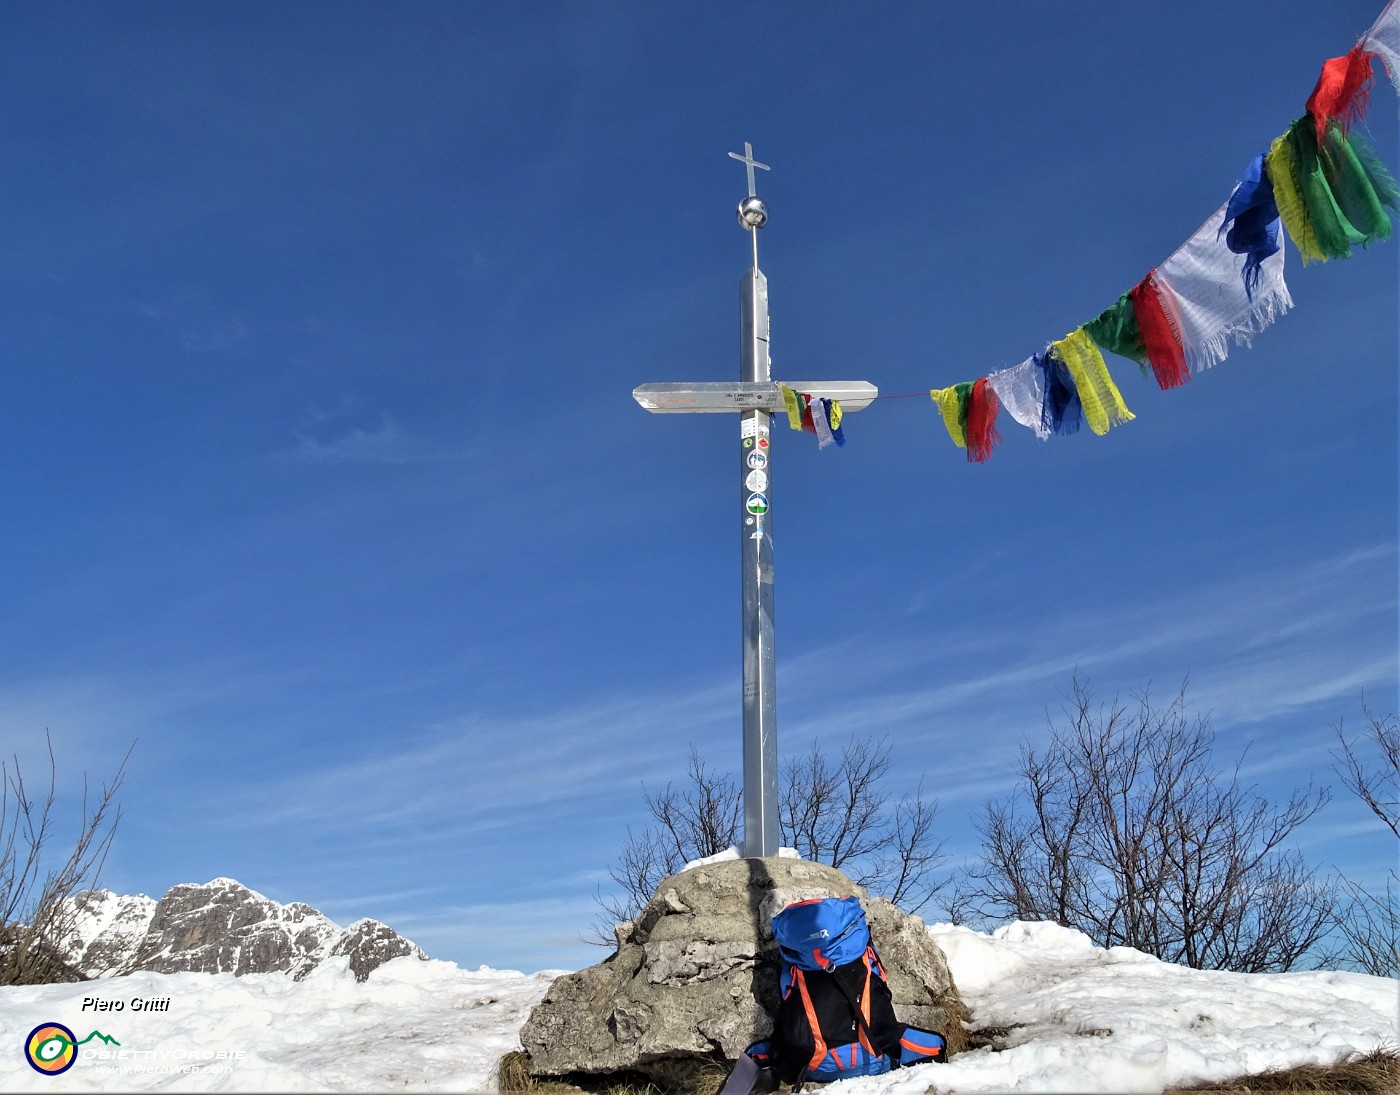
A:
[1258,648]
[544,764]
[384,443]
[200,326]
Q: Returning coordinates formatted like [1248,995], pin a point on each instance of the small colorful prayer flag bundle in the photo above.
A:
[1332,194]
[815,415]
[970,413]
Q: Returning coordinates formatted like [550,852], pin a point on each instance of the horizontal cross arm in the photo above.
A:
[700,397]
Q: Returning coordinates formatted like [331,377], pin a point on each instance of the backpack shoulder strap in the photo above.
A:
[858,1012]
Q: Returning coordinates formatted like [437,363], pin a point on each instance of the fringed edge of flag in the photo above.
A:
[1154,307]
[1264,311]
[981,429]
[1019,391]
[1342,92]
[1383,39]
[1377,173]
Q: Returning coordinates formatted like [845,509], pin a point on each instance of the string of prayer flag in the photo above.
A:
[1321,182]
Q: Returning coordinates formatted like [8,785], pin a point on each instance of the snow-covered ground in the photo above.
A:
[1081,1019]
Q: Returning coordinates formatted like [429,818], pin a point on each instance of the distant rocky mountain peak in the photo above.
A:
[220,926]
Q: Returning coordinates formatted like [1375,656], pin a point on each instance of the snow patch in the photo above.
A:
[732,852]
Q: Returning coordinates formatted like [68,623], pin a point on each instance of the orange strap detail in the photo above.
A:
[819,1047]
[864,1025]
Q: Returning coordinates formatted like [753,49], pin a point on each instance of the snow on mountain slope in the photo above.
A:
[219,927]
[106,930]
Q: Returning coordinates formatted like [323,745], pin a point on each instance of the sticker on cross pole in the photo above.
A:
[758,459]
[757,503]
[757,480]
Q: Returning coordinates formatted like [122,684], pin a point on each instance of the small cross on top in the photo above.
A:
[748,161]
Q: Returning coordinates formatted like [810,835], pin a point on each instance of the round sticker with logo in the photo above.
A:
[758,459]
[757,480]
[757,504]
[748,442]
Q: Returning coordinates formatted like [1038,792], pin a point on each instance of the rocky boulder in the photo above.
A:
[694,979]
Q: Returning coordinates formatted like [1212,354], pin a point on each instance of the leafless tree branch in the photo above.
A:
[1122,829]
[35,914]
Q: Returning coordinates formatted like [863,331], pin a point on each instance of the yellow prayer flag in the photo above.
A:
[947,400]
[1103,403]
[794,408]
[1292,210]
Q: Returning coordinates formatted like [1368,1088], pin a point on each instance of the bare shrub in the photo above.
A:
[831,811]
[35,914]
[1368,924]
[839,814]
[1123,829]
[1375,781]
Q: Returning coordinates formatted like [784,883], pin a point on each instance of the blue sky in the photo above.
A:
[320,473]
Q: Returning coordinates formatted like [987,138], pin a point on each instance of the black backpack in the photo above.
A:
[835,1018]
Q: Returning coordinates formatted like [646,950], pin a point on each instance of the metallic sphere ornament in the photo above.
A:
[752,213]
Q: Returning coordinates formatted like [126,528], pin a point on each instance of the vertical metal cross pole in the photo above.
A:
[756,550]
[755,397]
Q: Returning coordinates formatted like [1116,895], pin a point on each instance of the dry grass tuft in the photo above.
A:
[1375,1073]
[956,1038]
[513,1078]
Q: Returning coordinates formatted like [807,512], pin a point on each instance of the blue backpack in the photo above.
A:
[835,1018]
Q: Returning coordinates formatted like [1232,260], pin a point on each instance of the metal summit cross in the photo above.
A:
[755,398]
